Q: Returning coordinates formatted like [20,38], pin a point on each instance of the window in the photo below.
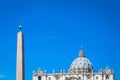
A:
[79,78]
[97,78]
[66,78]
[107,77]
[49,78]
[39,77]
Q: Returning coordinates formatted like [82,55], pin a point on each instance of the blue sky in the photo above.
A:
[54,31]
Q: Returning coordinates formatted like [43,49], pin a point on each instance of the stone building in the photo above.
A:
[80,69]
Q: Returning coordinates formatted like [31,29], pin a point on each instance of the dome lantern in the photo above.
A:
[81,53]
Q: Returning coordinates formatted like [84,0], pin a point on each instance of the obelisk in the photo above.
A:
[20,55]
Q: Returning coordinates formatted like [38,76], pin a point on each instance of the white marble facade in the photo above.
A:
[80,69]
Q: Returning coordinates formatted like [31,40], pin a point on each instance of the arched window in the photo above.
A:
[97,78]
[39,77]
[107,77]
[66,78]
[49,78]
[79,78]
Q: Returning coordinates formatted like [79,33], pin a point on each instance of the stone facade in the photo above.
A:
[80,69]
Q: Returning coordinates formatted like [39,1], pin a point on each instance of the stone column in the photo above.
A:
[20,57]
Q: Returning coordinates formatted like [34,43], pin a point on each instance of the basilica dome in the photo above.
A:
[81,63]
